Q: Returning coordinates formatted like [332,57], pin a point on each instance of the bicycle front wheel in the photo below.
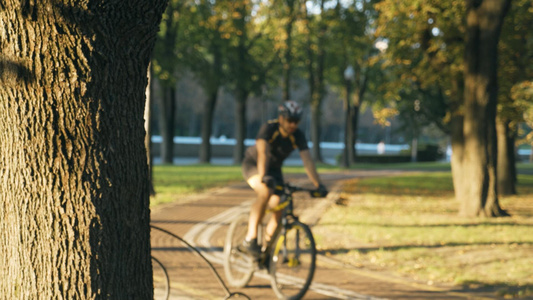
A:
[238,266]
[292,261]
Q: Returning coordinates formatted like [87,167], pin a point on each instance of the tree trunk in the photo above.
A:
[212,83]
[75,202]
[315,131]
[357,101]
[506,159]
[240,126]
[348,127]
[243,82]
[315,69]
[480,196]
[207,128]
[458,152]
[355,126]
[319,95]
[167,105]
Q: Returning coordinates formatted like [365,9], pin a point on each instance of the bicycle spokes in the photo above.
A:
[293,262]
[238,266]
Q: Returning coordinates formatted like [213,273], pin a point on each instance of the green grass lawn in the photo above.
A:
[174,183]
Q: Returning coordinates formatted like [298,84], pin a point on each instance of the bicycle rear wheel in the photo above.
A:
[238,266]
[292,261]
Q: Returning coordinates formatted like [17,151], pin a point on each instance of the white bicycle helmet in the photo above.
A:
[290,110]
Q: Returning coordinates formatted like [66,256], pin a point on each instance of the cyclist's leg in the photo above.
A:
[274,201]
[257,211]
[274,219]
[250,174]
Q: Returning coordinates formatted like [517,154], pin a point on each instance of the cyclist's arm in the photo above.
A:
[262,148]
[310,168]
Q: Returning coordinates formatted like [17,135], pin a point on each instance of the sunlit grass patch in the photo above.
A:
[423,184]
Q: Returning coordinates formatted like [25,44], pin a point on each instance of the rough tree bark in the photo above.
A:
[476,149]
[73,174]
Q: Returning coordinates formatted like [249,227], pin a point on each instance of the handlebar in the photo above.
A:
[315,193]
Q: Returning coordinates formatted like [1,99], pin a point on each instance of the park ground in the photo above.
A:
[405,226]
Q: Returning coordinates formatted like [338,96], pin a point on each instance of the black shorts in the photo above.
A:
[249,169]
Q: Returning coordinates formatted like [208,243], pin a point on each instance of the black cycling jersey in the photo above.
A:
[280,147]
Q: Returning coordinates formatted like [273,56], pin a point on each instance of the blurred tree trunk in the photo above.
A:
[359,93]
[316,67]
[207,127]
[75,202]
[506,158]
[167,115]
[355,125]
[477,147]
[212,85]
[240,125]
[165,63]
[348,153]
[243,84]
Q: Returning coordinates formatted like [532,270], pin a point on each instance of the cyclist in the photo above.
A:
[261,168]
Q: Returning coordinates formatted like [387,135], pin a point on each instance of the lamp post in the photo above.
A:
[349,74]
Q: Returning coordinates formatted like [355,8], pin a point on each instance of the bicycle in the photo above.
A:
[289,257]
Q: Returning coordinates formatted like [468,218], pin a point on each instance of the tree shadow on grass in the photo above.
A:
[499,290]
[365,250]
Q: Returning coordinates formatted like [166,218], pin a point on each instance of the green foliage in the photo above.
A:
[423,60]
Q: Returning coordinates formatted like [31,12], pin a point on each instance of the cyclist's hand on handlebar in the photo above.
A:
[269,181]
[321,191]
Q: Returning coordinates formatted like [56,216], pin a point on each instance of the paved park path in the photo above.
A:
[202,220]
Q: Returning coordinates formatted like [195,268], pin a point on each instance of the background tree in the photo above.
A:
[75,199]
[290,14]
[352,47]
[515,66]
[165,64]
[205,56]
[426,41]
[317,29]
[423,60]
[522,93]
[249,61]
[478,192]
